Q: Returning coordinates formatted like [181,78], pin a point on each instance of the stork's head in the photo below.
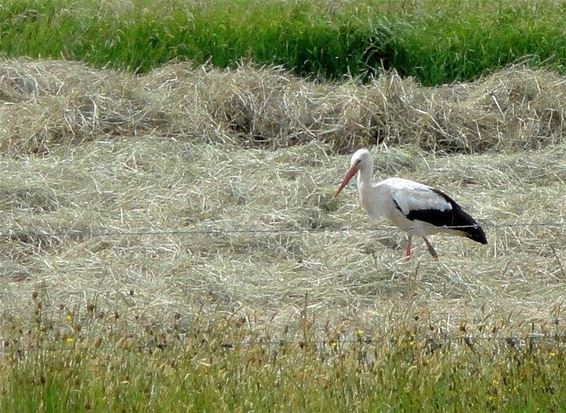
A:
[361,161]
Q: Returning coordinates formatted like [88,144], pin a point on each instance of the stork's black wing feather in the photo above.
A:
[449,217]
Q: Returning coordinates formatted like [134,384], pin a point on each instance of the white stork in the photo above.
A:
[415,208]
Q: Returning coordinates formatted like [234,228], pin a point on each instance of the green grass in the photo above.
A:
[437,42]
[96,363]
[222,33]
[464,39]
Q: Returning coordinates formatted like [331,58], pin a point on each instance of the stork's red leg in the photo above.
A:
[430,249]
[408,249]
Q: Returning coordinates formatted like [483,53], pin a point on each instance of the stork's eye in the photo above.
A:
[358,161]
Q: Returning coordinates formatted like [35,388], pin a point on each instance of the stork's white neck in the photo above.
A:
[370,197]
[365,174]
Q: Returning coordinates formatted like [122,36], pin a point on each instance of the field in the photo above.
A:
[169,236]
[435,41]
[174,237]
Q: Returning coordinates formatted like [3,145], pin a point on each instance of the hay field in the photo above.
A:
[197,149]
[194,193]
[170,242]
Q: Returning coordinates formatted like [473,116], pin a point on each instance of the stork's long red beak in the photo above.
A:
[349,175]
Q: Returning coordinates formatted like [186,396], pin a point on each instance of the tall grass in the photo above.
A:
[437,42]
[297,35]
[94,362]
[461,40]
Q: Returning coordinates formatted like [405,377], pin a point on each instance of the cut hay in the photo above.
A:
[49,103]
[193,192]
[252,232]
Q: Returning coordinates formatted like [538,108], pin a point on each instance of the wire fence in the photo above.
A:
[93,233]
[428,340]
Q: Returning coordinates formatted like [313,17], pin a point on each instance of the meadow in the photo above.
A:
[170,240]
[434,41]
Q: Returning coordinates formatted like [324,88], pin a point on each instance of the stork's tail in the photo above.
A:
[469,227]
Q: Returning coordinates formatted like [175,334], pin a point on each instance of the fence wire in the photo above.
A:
[18,233]
[431,342]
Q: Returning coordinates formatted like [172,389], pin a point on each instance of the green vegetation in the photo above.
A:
[435,41]
[94,362]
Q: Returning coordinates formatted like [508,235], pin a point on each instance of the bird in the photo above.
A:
[416,208]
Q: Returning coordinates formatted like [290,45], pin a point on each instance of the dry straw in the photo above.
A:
[47,103]
[200,149]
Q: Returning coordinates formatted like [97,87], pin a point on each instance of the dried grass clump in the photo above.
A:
[514,109]
[24,80]
[261,106]
[49,103]
[249,106]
